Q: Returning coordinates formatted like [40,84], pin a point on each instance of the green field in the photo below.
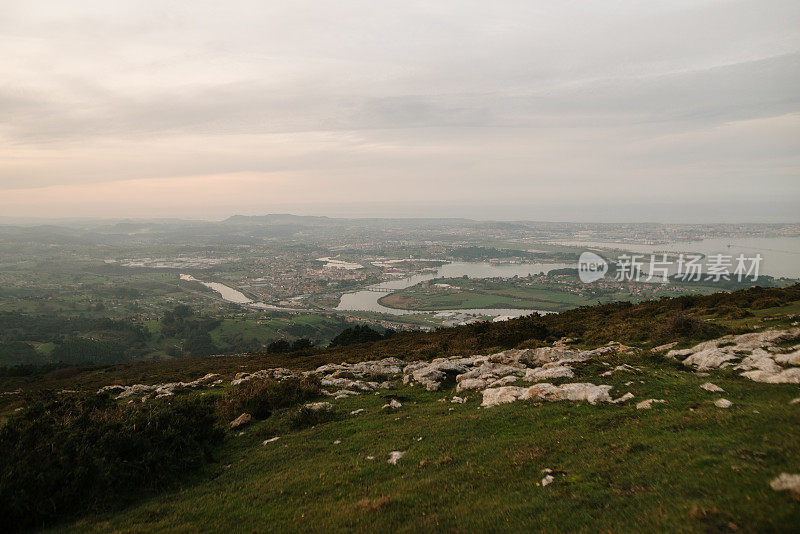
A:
[510,293]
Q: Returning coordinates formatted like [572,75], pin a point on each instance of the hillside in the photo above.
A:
[541,423]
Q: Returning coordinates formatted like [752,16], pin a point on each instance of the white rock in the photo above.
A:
[241,420]
[708,386]
[394,456]
[647,404]
[506,380]
[319,406]
[786,482]
[471,383]
[723,403]
[547,480]
[546,391]
[502,395]
[662,348]
[549,373]
[393,404]
[795,401]
[625,398]
[356,412]
[458,400]
[786,376]
[271,440]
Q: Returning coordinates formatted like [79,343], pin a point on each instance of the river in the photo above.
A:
[367,299]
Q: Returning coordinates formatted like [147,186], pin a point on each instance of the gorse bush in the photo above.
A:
[67,455]
[260,398]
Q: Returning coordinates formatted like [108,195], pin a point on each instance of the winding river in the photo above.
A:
[367,299]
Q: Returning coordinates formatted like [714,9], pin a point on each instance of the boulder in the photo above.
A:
[723,403]
[708,386]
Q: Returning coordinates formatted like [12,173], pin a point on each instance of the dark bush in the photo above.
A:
[260,398]
[305,417]
[682,325]
[359,333]
[68,455]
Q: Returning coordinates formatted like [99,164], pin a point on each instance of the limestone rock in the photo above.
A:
[394,456]
[787,482]
[393,404]
[647,404]
[242,420]
[723,403]
[549,373]
[708,386]
[319,406]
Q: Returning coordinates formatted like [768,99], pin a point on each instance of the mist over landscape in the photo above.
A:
[400,266]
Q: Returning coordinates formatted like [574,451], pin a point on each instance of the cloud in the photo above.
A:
[468,100]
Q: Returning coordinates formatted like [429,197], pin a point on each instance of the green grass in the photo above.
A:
[685,466]
[519,294]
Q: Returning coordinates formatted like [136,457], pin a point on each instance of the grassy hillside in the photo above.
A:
[685,465]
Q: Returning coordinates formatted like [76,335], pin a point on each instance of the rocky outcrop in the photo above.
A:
[547,392]
[757,354]
[159,390]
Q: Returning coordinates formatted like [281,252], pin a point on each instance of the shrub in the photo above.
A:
[260,398]
[682,325]
[73,454]
[305,417]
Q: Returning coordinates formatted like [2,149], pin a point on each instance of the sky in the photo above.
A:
[604,110]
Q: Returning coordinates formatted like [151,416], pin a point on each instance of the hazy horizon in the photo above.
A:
[665,111]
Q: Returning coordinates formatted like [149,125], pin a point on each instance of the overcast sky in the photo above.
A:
[534,109]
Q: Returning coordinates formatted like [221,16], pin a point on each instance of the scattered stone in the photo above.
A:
[337,442]
[623,367]
[663,348]
[242,420]
[271,440]
[394,456]
[647,404]
[708,386]
[393,404]
[787,482]
[160,390]
[795,401]
[458,400]
[318,406]
[625,398]
[370,457]
[356,412]
[547,480]
[723,403]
